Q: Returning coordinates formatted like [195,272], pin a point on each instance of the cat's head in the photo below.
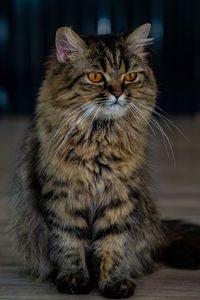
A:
[108,76]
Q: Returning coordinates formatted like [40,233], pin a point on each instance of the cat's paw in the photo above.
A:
[122,288]
[73,284]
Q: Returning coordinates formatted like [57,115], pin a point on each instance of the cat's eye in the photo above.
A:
[95,77]
[130,76]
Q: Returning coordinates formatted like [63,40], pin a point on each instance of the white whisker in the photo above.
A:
[70,108]
[165,138]
[154,122]
[73,116]
[144,118]
[165,119]
[90,125]
[85,115]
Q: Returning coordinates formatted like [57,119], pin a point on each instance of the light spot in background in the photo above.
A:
[158,28]
[157,31]
[103,25]
[3,98]
[4,30]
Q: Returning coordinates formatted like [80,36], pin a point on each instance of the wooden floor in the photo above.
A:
[178,194]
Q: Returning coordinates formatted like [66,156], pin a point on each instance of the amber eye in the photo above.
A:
[95,77]
[130,76]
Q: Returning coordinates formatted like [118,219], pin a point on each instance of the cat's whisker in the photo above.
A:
[165,139]
[164,119]
[73,116]
[75,113]
[85,115]
[105,101]
[154,122]
[70,108]
[158,107]
[65,113]
[141,113]
[90,125]
[81,106]
[84,106]
[132,112]
[153,112]
[166,142]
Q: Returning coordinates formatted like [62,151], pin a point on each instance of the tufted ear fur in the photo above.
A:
[68,45]
[138,39]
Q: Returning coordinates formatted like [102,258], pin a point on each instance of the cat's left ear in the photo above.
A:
[69,46]
[138,39]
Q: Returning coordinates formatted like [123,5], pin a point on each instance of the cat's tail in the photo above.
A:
[182,249]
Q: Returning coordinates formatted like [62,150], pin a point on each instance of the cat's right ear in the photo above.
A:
[68,45]
[138,39]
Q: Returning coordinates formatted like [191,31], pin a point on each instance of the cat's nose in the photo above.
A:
[117,93]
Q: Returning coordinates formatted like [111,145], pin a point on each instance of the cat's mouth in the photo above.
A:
[114,107]
[116,103]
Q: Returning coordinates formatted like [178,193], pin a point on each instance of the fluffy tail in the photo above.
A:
[183,245]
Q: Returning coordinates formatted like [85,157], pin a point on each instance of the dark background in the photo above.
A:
[27,32]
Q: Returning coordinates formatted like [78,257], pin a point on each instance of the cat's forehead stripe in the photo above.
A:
[120,57]
[113,56]
[110,56]
[103,64]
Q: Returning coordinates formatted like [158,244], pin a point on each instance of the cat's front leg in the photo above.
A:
[114,277]
[68,238]
[67,250]
[112,247]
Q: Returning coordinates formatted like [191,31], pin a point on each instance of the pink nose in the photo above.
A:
[117,93]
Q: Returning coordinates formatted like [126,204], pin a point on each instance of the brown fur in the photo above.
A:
[82,191]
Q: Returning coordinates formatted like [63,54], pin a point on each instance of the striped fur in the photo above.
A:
[82,207]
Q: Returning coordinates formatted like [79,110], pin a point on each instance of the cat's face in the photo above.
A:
[108,76]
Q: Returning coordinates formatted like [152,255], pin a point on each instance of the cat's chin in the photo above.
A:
[113,111]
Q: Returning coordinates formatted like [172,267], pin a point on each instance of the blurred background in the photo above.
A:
[27,33]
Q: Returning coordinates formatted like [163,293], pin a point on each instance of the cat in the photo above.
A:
[83,212]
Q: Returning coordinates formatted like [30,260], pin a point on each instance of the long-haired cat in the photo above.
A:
[82,209]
